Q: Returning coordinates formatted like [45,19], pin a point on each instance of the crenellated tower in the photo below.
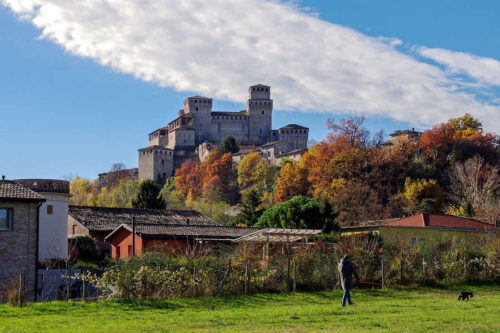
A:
[260,113]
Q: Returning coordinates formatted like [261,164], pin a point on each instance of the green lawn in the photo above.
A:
[375,310]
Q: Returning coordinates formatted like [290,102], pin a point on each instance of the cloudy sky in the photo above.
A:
[83,82]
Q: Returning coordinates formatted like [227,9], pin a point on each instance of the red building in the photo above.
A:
[170,238]
[98,222]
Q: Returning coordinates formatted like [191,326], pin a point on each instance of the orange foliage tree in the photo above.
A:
[187,179]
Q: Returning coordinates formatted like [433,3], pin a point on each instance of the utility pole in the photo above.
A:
[133,236]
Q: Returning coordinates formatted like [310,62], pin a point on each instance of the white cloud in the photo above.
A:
[485,70]
[220,47]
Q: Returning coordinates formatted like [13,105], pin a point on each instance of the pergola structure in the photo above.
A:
[277,235]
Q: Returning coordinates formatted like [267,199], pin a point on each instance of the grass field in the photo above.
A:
[375,310]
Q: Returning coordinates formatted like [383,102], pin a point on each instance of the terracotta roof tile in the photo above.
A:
[442,221]
[107,219]
[10,190]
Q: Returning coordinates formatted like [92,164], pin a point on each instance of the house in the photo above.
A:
[53,231]
[98,222]
[170,238]
[422,228]
[19,225]
[174,238]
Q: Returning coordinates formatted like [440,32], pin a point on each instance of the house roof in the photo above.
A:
[10,190]
[107,219]
[167,231]
[442,221]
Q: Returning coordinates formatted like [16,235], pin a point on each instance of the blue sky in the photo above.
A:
[68,109]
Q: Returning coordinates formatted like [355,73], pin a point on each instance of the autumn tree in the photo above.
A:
[478,184]
[79,189]
[187,179]
[292,181]
[254,174]
[357,203]
[148,196]
[218,181]
[123,194]
[422,195]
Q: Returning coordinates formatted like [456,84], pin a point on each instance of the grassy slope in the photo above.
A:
[375,310]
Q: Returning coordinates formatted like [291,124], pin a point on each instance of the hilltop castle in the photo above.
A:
[198,129]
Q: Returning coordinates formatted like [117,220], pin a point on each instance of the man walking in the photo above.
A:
[346,269]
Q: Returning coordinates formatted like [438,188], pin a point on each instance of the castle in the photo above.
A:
[198,129]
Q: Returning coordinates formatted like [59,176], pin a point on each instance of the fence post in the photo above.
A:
[83,287]
[229,269]
[382,272]
[246,277]
[20,289]
[294,276]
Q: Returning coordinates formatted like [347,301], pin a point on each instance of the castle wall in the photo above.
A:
[225,125]
[181,137]
[296,137]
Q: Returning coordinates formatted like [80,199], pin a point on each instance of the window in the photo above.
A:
[218,127]
[50,209]
[196,108]
[162,161]
[260,130]
[73,227]
[262,111]
[243,128]
[413,241]
[421,241]
[5,219]
[200,126]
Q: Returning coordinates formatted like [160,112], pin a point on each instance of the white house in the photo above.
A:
[53,225]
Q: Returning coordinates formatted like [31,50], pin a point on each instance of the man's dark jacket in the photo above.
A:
[346,269]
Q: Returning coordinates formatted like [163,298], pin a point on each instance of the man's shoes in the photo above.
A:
[351,303]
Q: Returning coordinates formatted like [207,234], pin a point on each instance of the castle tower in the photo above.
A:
[201,108]
[156,163]
[259,109]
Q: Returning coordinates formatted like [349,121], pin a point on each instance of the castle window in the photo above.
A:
[162,161]
[243,129]
[196,108]
[260,130]
[267,89]
[262,111]
[218,127]
[200,126]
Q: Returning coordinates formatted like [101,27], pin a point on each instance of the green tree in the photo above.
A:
[297,213]
[230,145]
[148,196]
[251,209]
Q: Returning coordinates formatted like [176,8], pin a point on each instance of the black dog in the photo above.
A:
[464,295]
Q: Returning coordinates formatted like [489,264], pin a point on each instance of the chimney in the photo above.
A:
[3,177]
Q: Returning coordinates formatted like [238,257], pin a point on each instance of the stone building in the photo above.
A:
[19,223]
[198,128]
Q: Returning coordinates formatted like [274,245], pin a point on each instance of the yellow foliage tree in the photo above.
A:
[80,191]
[254,174]
[422,195]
